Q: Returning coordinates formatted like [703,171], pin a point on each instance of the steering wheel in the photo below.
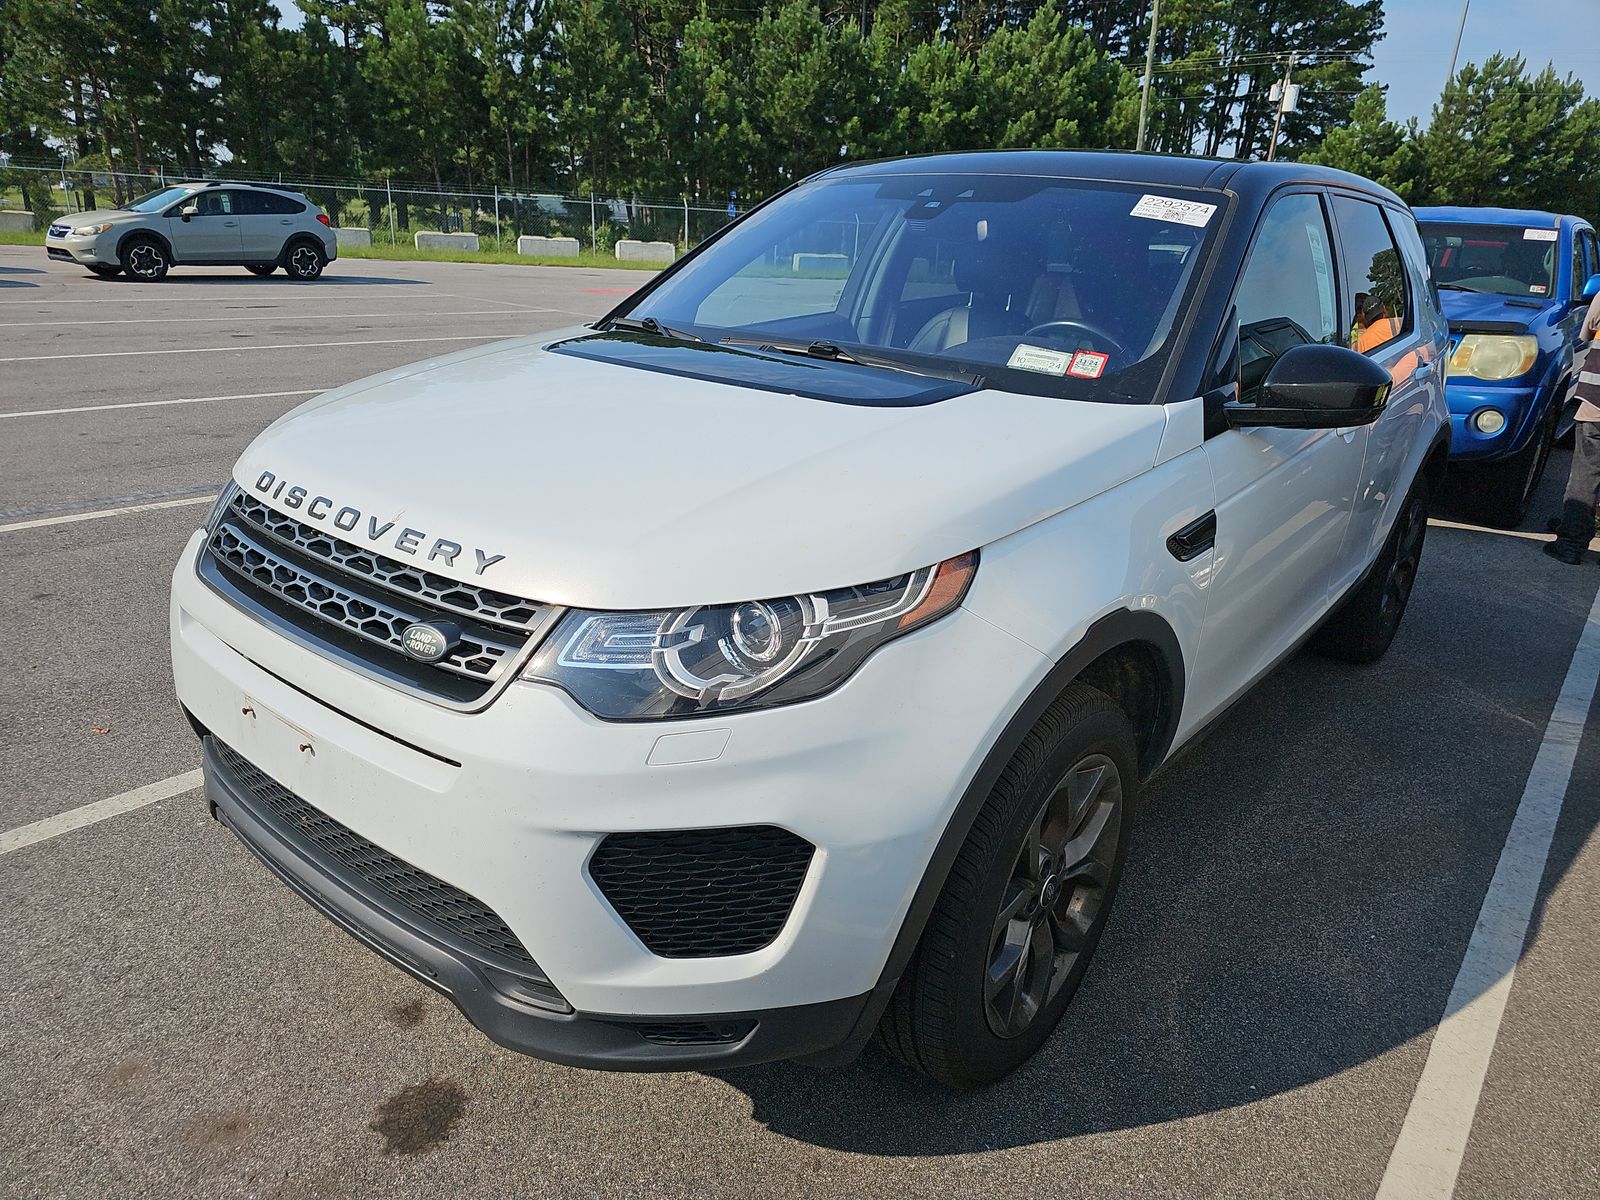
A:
[1102,339]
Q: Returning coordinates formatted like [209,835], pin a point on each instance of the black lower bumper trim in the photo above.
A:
[667,1042]
[59,254]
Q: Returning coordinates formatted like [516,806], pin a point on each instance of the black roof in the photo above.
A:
[1122,166]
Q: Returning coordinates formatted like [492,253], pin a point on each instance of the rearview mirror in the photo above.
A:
[1316,387]
[1592,287]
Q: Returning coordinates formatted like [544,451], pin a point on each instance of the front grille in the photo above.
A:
[437,908]
[700,893]
[60,231]
[359,603]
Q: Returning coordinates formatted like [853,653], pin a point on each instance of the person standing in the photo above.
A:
[1576,523]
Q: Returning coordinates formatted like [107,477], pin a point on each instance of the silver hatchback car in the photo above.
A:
[200,224]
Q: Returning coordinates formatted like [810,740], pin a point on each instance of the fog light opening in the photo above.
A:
[1488,420]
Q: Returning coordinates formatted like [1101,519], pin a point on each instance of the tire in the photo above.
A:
[304,260]
[104,271]
[978,998]
[261,269]
[1363,627]
[1503,490]
[145,258]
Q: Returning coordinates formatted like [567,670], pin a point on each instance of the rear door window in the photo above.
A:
[1377,289]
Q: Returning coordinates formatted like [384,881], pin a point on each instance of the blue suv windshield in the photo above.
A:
[1505,260]
[1040,285]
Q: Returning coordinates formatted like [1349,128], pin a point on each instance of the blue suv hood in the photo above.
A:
[1474,307]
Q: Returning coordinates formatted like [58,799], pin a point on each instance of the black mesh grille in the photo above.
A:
[432,900]
[695,1033]
[697,893]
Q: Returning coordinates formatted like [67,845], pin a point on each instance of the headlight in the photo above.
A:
[755,654]
[91,230]
[217,509]
[1494,355]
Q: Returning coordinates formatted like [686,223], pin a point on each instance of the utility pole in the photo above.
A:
[1285,100]
[1149,68]
[1460,29]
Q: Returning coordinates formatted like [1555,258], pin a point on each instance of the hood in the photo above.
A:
[605,486]
[1475,306]
[94,215]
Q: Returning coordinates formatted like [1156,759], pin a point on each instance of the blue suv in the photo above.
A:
[1514,285]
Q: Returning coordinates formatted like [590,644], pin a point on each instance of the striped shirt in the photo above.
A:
[1589,368]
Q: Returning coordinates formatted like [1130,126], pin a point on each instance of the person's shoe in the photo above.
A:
[1563,553]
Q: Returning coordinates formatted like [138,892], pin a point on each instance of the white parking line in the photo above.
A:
[103,512]
[476,337]
[1427,1156]
[280,315]
[88,814]
[50,412]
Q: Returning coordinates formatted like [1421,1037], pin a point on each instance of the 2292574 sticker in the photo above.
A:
[1087,364]
[1170,208]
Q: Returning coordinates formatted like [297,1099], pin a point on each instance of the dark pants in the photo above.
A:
[1577,513]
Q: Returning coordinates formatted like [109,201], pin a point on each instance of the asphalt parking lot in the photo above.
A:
[1301,893]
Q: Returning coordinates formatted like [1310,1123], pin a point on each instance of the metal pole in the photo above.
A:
[1283,98]
[497,216]
[394,238]
[594,238]
[1149,69]
[686,222]
[1460,29]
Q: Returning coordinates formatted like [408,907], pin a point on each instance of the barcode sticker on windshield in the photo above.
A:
[1086,364]
[1037,358]
[1540,235]
[1165,208]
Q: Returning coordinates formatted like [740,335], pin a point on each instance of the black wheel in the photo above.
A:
[304,260]
[1503,490]
[105,271]
[1364,626]
[262,269]
[1011,935]
[145,258]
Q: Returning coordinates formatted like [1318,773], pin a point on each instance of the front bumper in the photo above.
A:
[99,250]
[1518,405]
[508,804]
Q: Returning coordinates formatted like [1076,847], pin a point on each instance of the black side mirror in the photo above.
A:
[1316,387]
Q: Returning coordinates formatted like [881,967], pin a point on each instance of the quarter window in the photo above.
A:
[1287,296]
[1376,293]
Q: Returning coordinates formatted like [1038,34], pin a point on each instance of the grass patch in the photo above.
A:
[22,239]
[405,253]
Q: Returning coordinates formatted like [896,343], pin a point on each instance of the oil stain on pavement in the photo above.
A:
[417,1118]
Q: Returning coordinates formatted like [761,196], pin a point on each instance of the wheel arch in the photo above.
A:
[295,239]
[1135,653]
[142,234]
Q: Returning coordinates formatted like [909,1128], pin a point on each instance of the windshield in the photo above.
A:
[1507,260]
[156,201]
[1025,284]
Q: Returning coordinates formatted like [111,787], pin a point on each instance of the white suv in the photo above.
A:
[200,224]
[779,659]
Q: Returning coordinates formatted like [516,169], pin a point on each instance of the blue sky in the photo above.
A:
[1414,54]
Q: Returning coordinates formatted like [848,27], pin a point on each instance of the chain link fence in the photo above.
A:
[31,196]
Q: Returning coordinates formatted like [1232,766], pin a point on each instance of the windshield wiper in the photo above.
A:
[651,326]
[1460,287]
[858,355]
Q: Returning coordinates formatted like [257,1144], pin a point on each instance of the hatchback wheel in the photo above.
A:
[146,259]
[1362,630]
[304,261]
[1011,936]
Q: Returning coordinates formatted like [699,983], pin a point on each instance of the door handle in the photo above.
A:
[1195,538]
[229,224]
[286,221]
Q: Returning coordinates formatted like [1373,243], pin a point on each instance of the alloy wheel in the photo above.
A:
[146,261]
[1407,558]
[305,262]
[1055,896]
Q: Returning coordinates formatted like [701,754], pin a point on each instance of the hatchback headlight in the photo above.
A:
[754,654]
[1494,355]
[91,230]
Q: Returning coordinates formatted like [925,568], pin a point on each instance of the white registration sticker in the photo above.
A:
[1540,235]
[1166,208]
[1037,358]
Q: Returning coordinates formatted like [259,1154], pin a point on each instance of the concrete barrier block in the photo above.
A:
[629,250]
[821,262]
[548,247]
[358,236]
[446,241]
[14,220]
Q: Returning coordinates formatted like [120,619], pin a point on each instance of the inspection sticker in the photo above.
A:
[1037,358]
[1086,364]
[1540,235]
[1165,208]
